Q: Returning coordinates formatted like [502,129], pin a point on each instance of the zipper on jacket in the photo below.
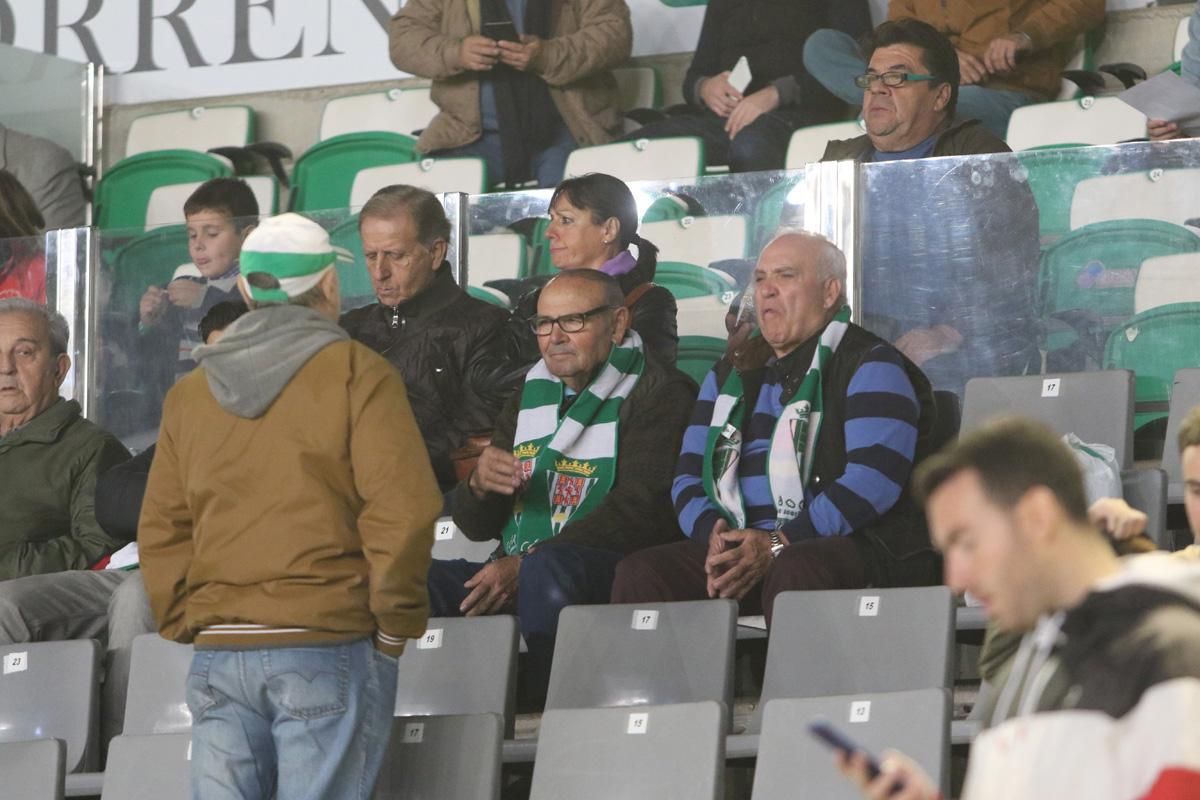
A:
[396,321]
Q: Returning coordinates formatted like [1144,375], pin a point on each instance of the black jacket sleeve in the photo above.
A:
[706,59]
[654,318]
[119,493]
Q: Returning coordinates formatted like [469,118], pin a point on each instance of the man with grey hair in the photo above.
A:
[447,345]
[794,470]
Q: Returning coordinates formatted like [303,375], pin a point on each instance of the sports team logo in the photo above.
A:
[567,493]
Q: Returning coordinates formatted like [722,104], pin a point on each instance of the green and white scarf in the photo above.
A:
[791,455]
[568,464]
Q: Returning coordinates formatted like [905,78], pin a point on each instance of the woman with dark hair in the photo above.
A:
[593,224]
[22,260]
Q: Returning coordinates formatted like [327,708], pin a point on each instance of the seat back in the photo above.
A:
[690,280]
[807,145]
[1166,194]
[768,213]
[1155,345]
[148,260]
[1185,395]
[33,770]
[354,281]
[654,653]
[1053,173]
[149,768]
[436,175]
[698,240]
[647,753]
[697,354]
[641,160]
[405,111]
[639,87]
[459,666]
[451,757]
[157,702]
[49,690]
[793,765]
[324,175]
[123,194]
[165,206]
[1167,279]
[449,543]
[1088,120]
[1145,488]
[495,256]
[860,640]
[1095,406]
[199,128]
[703,315]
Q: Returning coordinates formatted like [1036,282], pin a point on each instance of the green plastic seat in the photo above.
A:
[1053,172]
[697,354]
[769,212]
[325,173]
[487,295]
[150,259]
[123,194]
[690,280]
[1155,344]
[353,278]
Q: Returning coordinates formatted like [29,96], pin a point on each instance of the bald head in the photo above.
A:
[799,285]
[589,304]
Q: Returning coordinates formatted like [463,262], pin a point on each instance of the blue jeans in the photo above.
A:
[547,166]
[834,59]
[299,722]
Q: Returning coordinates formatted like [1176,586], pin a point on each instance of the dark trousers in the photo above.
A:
[552,577]
[675,571]
[760,146]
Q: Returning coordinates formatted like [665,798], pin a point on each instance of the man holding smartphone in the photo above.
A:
[519,83]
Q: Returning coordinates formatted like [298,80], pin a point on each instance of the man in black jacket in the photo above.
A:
[749,127]
[448,346]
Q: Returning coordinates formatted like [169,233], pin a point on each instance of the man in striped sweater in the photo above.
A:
[794,470]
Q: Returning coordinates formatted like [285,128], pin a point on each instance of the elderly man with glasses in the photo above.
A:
[578,473]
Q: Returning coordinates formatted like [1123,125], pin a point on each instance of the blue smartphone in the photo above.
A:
[837,740]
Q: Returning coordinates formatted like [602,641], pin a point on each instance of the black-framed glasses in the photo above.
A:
[892,80]
[567,323]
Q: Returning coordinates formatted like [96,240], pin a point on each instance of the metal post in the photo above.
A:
[458,212]
[71,256]
[831,209]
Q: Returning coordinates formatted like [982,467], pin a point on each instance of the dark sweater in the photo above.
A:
[119,493]
[637,511]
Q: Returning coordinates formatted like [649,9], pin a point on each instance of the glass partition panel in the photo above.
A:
[1041,261]
[44,96]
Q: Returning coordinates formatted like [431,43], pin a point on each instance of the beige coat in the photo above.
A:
[589,38]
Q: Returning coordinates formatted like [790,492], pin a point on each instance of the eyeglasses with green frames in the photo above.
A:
[892,80]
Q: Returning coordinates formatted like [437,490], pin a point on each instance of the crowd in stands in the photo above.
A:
[283,522]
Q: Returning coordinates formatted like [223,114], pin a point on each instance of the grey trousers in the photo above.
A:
[108,605]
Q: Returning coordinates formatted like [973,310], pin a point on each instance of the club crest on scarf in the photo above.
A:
[568,491]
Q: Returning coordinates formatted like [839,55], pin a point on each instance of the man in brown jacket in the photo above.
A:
[520,84]
[1010,52]
[286,531]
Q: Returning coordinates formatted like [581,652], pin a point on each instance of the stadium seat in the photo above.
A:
[1095,406]
[854,641]
[404,111]
[1053,173]
[489,295]
[1155,345]
[123,194]
[1145,488]
[768,214]
[647,753]
[1185,395]
[149,768]
[156,702]
[697,354]
[49,690]
[698,240]
[442,758]
[324,175]
[702,316]
[32,770]
[461,665]
[165,206]
[807,145]
[449,543]
[794,765]
[1167,279]
[640,87]
[653,653]
[1166,194]
[642,160]
[690,280]
[495,256]
[199,128]
[353,278]
[148,260]
[1088,120]
[436,175]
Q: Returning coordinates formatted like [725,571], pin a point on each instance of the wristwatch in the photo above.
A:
[777,543]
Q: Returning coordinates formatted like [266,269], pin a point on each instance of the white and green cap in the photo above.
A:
[294,250]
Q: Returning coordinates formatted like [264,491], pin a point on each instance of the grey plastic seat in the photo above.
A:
[1145,488]
[33,770]
[442,758]
[460,666]
[793,765]
[1185,395]
[154,767]
[1095,406]
[49,690]
[157,700]
[674,752]
[449,543]
[861,640]
[647,654]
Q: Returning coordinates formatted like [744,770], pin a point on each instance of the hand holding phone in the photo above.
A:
[835,739]
[501,31]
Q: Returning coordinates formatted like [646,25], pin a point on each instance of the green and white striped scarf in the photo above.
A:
[568,464]
[791,455]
